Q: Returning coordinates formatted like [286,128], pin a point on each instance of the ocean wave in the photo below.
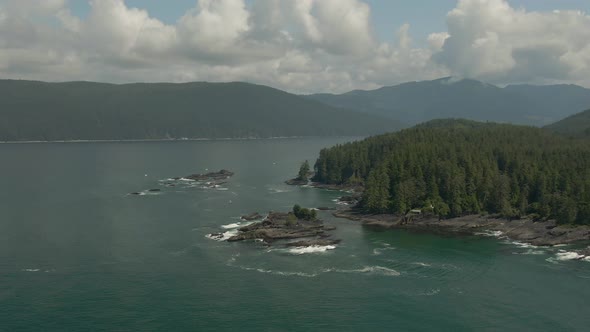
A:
[370,270]
[222,236]
[568,255]
[563,255]
[530,252]
[523,245]
[311,249]
[278,191]
[31,270]
[422,264]
[379,251]
[231,226]
[279,273]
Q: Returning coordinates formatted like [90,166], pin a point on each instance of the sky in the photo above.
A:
[300,46]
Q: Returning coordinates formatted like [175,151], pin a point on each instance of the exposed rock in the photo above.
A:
[154,190]
[252,216]
[325,208]
[216,236]
[221,175]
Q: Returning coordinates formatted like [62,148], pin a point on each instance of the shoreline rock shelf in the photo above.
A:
[546,233]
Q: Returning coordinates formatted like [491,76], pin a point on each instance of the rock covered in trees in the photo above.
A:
[303,175]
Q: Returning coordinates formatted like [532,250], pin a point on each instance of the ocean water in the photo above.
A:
[77,253]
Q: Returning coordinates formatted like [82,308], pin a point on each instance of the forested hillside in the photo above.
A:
[94,111]
[457,167]
[577,125]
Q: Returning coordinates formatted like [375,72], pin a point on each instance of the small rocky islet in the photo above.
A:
[210,180]
[284,226]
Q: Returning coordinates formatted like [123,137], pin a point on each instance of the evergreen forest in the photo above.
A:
[458,167]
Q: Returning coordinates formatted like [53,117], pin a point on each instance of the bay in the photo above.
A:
[78,253]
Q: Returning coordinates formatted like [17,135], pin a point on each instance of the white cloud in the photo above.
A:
[492,41]
[300,46]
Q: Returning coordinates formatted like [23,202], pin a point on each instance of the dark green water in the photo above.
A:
[78,254]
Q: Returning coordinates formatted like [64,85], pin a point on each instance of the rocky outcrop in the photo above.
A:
[252,216]
[213,176]
[282,226]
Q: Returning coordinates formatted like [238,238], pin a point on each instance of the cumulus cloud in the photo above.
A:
[490,40]
[300,46]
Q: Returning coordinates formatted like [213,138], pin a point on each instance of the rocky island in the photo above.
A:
[212,176]
[301,223]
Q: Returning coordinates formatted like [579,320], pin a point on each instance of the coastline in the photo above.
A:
[174,139]
[546,233]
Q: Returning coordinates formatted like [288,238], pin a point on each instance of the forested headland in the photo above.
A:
[458,167]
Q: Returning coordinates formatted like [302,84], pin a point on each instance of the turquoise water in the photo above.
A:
[78,254]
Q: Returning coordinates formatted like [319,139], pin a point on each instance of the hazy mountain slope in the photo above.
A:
[416,102]
[577,125]
[32,110]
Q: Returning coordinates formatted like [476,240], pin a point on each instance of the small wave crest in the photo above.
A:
[530,252]
[563,255]
[222,236]
[231,226]
[370,270]
[422,264]
[311,249]
[490,233]
[568,255]
[279,273]
[379,251]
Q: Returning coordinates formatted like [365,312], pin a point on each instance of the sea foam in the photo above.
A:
[311,249]
[568,255]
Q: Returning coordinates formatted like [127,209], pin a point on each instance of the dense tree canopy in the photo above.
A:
[460,167]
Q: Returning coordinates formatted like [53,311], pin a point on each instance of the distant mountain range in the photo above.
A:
[38,111]
[577,125]
[416,102]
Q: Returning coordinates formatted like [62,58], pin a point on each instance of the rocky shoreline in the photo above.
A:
[546,233]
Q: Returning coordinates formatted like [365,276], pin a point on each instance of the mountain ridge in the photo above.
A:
[449,97]
[44,111]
